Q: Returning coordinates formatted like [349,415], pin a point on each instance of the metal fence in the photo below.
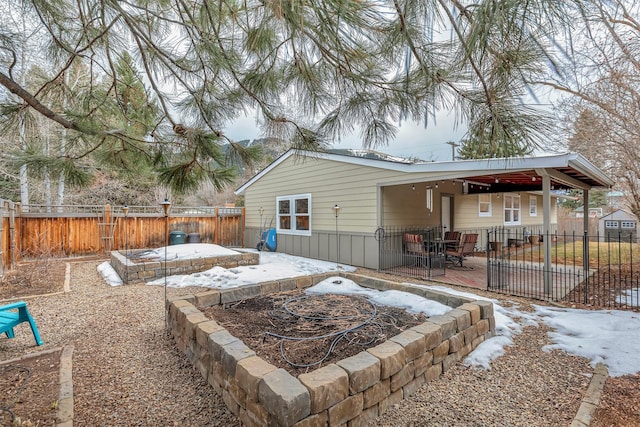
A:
[590,270]
[394,258]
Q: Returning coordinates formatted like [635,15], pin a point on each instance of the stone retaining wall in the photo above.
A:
[134,272]
[351,392]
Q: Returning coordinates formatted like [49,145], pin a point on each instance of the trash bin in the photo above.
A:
[193,238]
[177,237]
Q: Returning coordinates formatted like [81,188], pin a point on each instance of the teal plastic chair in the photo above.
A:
[9,318]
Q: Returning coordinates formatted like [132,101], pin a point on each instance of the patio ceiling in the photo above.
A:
[529,180]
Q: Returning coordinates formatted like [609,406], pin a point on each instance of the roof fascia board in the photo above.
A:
[585,167]
[264,171]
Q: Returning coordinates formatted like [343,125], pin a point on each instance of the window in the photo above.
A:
[533,206]
[429,196]
[294,214]
[484,204]
[511,209]
[611,224]
[627,224]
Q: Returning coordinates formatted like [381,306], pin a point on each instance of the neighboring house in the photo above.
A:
[619,224]
[298,192]
[593,212]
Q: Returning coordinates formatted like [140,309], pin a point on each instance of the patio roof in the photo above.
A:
[569,170]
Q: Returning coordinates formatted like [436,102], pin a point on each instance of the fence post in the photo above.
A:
[12,232]
[216,236]
[585,264]
[488,252]
[242,225]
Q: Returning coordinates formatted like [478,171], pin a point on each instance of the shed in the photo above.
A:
[619,224]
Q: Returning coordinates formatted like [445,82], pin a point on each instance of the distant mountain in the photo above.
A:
[374,155]
[274,148]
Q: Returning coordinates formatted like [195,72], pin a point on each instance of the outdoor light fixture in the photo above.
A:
[125,211]
[261,211]
[436,185]
[497,180]
[166,206]
[533,178]
[413,187]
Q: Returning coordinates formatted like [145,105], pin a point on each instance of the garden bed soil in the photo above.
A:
[255,322]
[33,278]
[30,388]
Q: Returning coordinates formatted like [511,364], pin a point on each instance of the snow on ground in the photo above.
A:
[109,274]
[410,302]
[607,336]
[630,297]
[273,266]
[611,337]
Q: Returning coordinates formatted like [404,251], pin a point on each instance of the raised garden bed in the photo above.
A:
[353,390]
[132,269]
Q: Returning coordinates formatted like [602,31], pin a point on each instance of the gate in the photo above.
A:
[395,257]
[588,270]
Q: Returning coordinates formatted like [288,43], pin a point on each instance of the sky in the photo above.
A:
[413,139]
[594,334]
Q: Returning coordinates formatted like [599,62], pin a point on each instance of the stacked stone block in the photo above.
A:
[351,392]
[146,271]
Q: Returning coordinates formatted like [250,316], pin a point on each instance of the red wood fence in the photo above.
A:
[38,231]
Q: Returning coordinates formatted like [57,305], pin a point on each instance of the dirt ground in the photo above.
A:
[30,391]
[30,386]
[33,397]
[323,329]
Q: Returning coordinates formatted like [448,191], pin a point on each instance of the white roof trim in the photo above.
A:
[453,169]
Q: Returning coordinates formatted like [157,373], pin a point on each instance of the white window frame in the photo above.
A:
[292,203]
[627,224]
[533,206]
[487,203]
[610,224]
[511,209]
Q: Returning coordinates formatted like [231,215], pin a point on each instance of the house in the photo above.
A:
[619,224]
[593,212]
[335,207]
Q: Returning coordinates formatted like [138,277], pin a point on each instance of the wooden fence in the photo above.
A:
[38,231]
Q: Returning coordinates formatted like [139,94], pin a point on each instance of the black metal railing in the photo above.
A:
[395,258]
[590,270]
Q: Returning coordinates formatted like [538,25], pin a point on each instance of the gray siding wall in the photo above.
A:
[356,249]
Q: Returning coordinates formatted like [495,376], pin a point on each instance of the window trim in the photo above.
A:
[611,224]
[481,202]
[504,209]
[292,203]
[628,224]
[533,205]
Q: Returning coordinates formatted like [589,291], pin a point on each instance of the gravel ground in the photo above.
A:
[126,372]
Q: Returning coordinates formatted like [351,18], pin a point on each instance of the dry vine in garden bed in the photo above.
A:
[300,332]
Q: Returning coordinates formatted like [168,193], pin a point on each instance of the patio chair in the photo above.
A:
[414,246]
[452,235]
[9,319]
[465,248]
